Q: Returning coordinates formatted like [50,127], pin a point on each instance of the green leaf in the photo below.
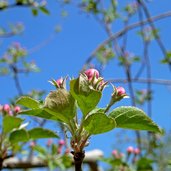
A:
[44,10]
[41,113]
[87,98]
[10,123]
[34,12]
[37,133]
[61,104]
[28,102]
[98,123]
[19,136]
[40,150]
[144,164]
[3,60]
[133,118]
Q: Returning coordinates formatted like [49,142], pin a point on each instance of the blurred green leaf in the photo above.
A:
[34,12]
[37,133]
[19,136]
[144,164]
[40,150]
[11,122]
[44,10]
[4,71]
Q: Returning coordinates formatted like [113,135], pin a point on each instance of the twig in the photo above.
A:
[142,80]
[128,28]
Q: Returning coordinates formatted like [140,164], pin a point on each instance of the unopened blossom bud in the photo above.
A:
[121,155]
[59,151]
[17,109]
[59,82]
[61,142]
[137,151]
[115,153]
[118,94]
[10,113]
[49,142]
[16,45]
[67,151]
[130,149]
[1,108]
[32,144]
[120,91]
[90,73]
[6,108]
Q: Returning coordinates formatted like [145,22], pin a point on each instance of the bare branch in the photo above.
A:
[142,80]
[128,28]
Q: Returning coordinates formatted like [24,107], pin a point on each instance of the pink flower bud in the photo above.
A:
[59,82]
[10,113]
[16,45]
[121,155]
[137,151]
[17,109]
[130,149]
[6,108]
[120,91]
[49,142]
[32,144]
[91,72]
[67,151]
[59,151]
[1,108]
[115,153]
[61,142]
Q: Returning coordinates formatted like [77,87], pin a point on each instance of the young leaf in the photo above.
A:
[11,122]
[28,102]
[34,12]
[41,113]
[87,98]
[44,10]
[98,123]
[19,136]
[37,133]
[60,103]
[40,149]
[133,118]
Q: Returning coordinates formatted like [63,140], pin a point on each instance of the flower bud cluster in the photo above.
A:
[8,110]
[95,81]
[134,152]
[117,154]
[59,146]
[131,150]
[61,143]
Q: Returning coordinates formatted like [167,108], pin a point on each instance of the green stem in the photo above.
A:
[108,107]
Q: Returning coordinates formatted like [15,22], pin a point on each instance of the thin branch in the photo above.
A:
[16,79]
[6,35]
[128,28]
[151,22]
[15,5]
[142,80]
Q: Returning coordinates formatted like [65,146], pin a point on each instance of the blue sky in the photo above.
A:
[67,52]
